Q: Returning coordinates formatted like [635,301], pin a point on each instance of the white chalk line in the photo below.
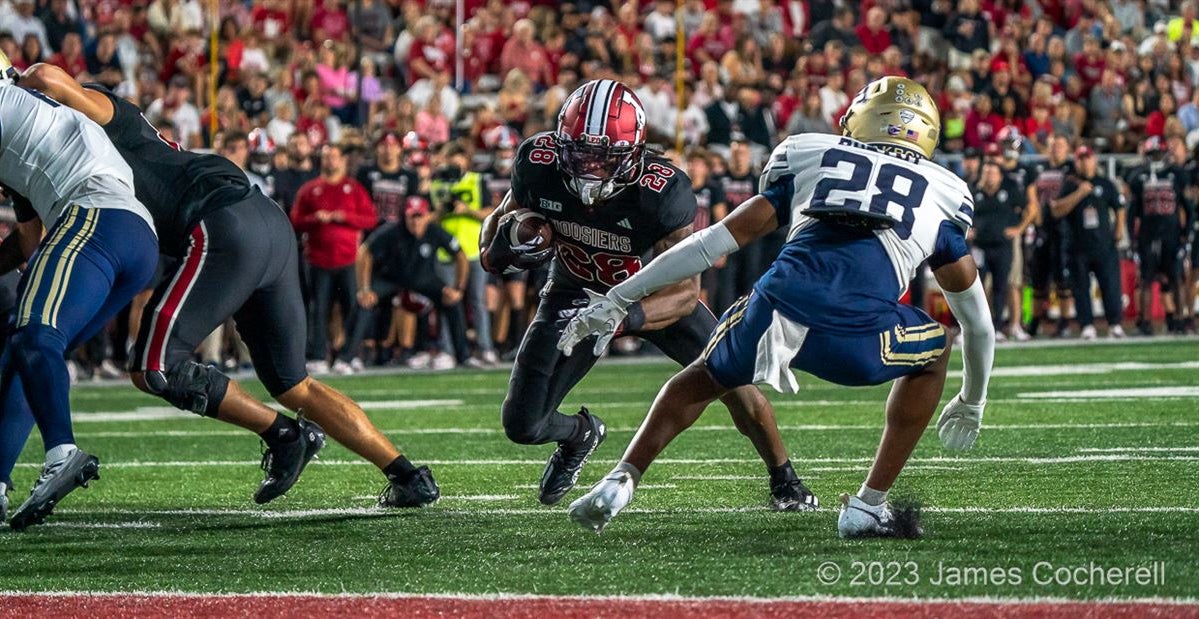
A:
[703,428]
[1116,457]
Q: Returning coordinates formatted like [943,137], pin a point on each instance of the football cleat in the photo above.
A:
[860,519]
[417,489]
[57,480]
[563,468]
[3,502]
[791,495]
[284,462]
[600,505]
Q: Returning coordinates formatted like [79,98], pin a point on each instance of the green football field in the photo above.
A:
[1088,462]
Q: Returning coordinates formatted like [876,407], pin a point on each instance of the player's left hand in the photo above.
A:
[959,423]
[601,317]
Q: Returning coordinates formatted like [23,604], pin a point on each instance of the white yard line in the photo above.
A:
[1118,457]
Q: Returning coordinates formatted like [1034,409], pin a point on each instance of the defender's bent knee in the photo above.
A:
[189,386]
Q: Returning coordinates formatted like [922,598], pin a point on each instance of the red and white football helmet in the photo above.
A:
[601,140]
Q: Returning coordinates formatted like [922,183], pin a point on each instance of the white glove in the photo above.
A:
[959,423]
[601,317]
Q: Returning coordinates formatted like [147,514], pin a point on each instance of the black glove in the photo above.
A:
[502,257]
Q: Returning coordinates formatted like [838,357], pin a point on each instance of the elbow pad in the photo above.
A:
[978,339]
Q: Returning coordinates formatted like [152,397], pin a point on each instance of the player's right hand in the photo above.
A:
[959,423]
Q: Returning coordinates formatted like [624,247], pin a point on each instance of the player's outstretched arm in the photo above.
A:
[751,221]
[58,85]
[961,419]
[664,307]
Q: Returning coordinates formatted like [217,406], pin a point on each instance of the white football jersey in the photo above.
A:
[55,156]
[841,175]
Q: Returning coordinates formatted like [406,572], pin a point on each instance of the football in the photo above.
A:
[531,232]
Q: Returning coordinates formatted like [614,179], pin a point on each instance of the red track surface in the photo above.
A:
[264,606]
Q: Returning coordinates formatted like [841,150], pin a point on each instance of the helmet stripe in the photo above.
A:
[597,112]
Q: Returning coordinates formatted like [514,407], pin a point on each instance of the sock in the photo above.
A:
[283,430]
[781,473]
[400,468]
[625,467]
[3,488]
[870,496]
[582,426]
[60,453]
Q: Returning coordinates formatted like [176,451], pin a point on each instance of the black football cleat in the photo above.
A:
[791,495]
[563,468]
[417,489]
[55,483]
[284,462]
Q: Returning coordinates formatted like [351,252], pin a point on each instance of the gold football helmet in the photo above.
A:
[897,111]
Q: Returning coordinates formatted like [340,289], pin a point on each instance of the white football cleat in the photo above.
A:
[341,368]
[860,519]
[1116,333]
[600,505]
[1089,333]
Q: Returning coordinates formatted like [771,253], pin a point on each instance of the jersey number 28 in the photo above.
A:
[889,184]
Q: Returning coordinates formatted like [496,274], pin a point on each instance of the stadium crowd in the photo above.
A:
[388,140]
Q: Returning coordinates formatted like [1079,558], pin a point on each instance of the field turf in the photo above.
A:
[1089,458]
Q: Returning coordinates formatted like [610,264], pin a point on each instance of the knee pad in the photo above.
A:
[191,387]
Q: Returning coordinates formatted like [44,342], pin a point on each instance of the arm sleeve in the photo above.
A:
[780,194]
[978,339]
[687,259]
[951,246]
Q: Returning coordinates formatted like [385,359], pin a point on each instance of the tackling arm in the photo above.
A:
[664,307]
[61,87]
[20,244]
[752,220]
[961,419]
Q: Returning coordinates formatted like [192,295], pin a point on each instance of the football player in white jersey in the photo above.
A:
[66,176]
[863,211]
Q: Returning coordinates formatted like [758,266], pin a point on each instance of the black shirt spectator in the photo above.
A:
[968,30]
[58,23]
[407,261]
[839,28]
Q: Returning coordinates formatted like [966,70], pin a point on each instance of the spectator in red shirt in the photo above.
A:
[427,57]
[524,53]
[982,123]
[271,19]
[1089,64]
[707,44]
[329,21]
[71,58]
[873,32]
[331,211]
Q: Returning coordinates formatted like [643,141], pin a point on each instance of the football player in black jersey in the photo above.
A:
[610,203]
[1161,218]
[1049,269]
[388,181]
[236,253]
[1024,176]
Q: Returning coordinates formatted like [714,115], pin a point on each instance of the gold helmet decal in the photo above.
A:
[8,73]
[895,111]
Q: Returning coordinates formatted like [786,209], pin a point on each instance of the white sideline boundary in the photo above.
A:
[652,597]
[545,511]
[1117,457]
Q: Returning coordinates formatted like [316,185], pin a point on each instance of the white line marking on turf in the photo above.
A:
[711,428]
[137,524]
[644,597]
[526,511]
[1118,394]
[1086,368]
[688,461]
[1135,449]
[639,486]
[158,413]
[460,497]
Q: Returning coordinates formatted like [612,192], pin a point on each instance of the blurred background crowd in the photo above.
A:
[387,128]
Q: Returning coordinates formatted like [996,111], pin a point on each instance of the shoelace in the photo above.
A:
[266,457]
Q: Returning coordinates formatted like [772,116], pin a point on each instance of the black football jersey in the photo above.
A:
[706,198]
[389,190]
[1157,200]
[178,187]
[1049,180]
[600,246]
